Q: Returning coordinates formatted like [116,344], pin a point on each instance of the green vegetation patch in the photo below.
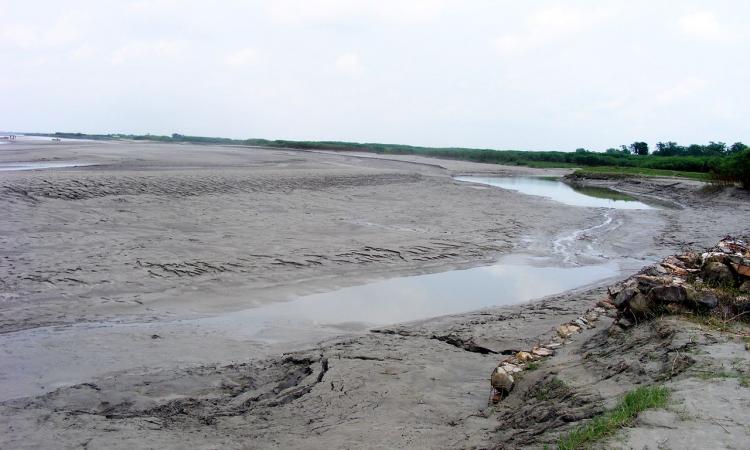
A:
[532,365]
[634,402]
[641,171]
[604,193]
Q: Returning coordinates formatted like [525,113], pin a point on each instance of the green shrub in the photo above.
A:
[735,168]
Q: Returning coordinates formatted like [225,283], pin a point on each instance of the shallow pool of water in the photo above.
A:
[404,299]
[38,360]
[561,192]
[9,167]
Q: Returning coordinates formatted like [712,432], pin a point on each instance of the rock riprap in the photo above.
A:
[687,283]
[713,282]
[502,380]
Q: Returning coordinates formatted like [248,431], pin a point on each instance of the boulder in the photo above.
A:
[624,297]
[737,259]
[708,301]
[668,294]
[674,261]
[710,257]
[731,245]
[646,282]
[640,305]
[690,259]
[656,270]
[702,299]
[715,272]
[605,305]
[745,286]
[541,351]
[742,268]
[502,383]
[567,330]
[525,356]
[625,323]
[619,287]
[592,316]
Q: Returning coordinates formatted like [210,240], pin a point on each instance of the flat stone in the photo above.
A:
[567,330]
[674,261]
[541,351]
[655,270]
[646,282]
[510,368]
[675,269]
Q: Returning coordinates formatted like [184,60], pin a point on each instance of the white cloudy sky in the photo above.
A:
[500,74]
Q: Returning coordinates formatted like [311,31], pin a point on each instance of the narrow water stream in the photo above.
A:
[593,197]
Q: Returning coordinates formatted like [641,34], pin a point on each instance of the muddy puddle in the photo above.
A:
[511,281]
[594,197]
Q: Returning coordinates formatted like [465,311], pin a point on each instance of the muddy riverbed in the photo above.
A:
[169,260]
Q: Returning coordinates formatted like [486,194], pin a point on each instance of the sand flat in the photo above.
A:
[158,233]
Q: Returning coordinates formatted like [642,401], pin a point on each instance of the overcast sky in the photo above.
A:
[537,75]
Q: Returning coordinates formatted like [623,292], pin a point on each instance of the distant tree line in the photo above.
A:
[725,163]
[672,149]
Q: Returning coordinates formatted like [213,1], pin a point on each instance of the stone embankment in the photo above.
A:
[715,283]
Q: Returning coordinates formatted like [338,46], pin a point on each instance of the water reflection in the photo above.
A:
[556,190]
[412,298]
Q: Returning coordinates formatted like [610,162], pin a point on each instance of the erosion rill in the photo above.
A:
[692,298]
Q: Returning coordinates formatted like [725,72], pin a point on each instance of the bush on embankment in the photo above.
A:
[735,168]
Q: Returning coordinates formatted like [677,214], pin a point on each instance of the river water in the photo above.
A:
[593,197]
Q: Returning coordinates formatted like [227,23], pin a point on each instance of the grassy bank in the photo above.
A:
[634,402]
[642,171]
